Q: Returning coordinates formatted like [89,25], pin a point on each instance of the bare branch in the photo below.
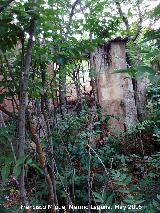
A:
[139,27]
[124,18]
[71,16]
[126,22]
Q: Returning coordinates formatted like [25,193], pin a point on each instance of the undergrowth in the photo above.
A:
[119,169]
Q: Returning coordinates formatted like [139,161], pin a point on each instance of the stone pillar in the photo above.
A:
[115,90]
[140,95]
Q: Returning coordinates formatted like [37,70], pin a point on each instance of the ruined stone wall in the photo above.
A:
[115,90]
[6,103]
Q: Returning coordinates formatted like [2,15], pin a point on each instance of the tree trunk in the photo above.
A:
[49,150]
[62,95]
[22,110]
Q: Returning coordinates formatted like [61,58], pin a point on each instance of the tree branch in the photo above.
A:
[22,110]
[42,160]
[71,16]
[126,22]
[139,27]
[124,18]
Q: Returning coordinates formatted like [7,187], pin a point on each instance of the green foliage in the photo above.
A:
[139,71]
[116,171]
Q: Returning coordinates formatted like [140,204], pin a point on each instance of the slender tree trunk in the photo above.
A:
[50,151]
[62,83]
[62,95]
[51,157]
[76,81]
[22,109]
[41,155]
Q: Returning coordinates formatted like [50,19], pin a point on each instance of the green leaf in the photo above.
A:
[61,59]
[17,168]
[35,165]
[3,210]
[98,197]
[21,160]
[109,200]
[145,69]
[156,204]
[17,171]
[5,173]
[119,183]
[2,200]
[126,191]
[130,71]
[2,97]
[29,161]
[8,160]
[158,196]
